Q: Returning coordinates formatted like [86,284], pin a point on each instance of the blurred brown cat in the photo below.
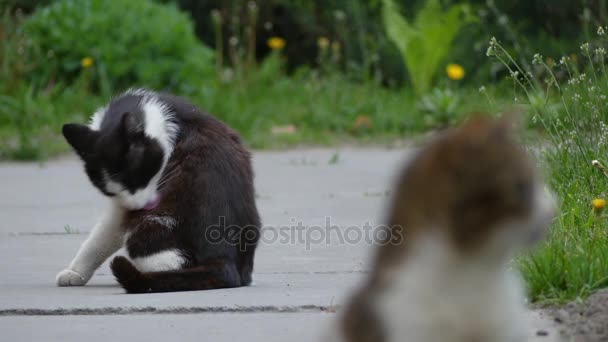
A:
[465,205]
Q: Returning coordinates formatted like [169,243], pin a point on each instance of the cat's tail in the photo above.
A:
[213,276]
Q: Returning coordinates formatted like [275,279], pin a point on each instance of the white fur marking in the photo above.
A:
[168,260]
[166,221]
[159,126]
[141,197]
[110,185]
[97,118]
[138,91]
[158,123]
[439,296]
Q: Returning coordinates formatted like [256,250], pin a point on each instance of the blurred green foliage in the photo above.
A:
[128,42]
[338,67]
[551,26]
[425,42]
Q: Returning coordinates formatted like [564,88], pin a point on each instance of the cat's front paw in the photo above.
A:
[69,277]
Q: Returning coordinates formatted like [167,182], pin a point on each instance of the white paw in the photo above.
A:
[69,277]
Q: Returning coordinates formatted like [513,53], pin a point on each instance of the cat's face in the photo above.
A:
[497,196]
[120,160]
[480,186]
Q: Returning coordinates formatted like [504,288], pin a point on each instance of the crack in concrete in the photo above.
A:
[170,310]
[318,272]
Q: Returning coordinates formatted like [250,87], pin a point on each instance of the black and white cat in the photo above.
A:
[181,194]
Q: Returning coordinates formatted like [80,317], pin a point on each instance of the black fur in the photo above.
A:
[120,147]
[208,192]
[209,276]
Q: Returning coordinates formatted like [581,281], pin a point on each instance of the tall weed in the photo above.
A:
[573,112]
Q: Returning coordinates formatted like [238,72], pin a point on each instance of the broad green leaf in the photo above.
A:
[425,44]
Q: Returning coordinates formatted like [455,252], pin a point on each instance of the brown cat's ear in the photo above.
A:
[477,127]
[80,137]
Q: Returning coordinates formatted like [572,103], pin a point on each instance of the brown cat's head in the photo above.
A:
[477,187]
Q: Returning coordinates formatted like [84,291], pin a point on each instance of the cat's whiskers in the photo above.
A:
[169,171]
[167,175]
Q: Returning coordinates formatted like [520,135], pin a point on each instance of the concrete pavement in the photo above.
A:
[300,275]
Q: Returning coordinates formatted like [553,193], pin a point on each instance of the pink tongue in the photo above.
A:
[153,203]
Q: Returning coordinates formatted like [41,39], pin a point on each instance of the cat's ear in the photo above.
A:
[483,128]
[80,137]
[131,127]
[477,127]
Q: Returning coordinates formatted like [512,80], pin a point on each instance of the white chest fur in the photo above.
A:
[438,297]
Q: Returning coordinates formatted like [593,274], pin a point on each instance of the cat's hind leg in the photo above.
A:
[152,246]
[213,274]
[159,263]
[167,260]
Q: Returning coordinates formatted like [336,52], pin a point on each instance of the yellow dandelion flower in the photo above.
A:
[455,72]
[276,43]
[86,62]
[598,204]
[323,42]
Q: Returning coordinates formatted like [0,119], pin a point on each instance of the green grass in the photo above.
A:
[573,261]
[30,121]
[573,112]
[323,106]
[324,111]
